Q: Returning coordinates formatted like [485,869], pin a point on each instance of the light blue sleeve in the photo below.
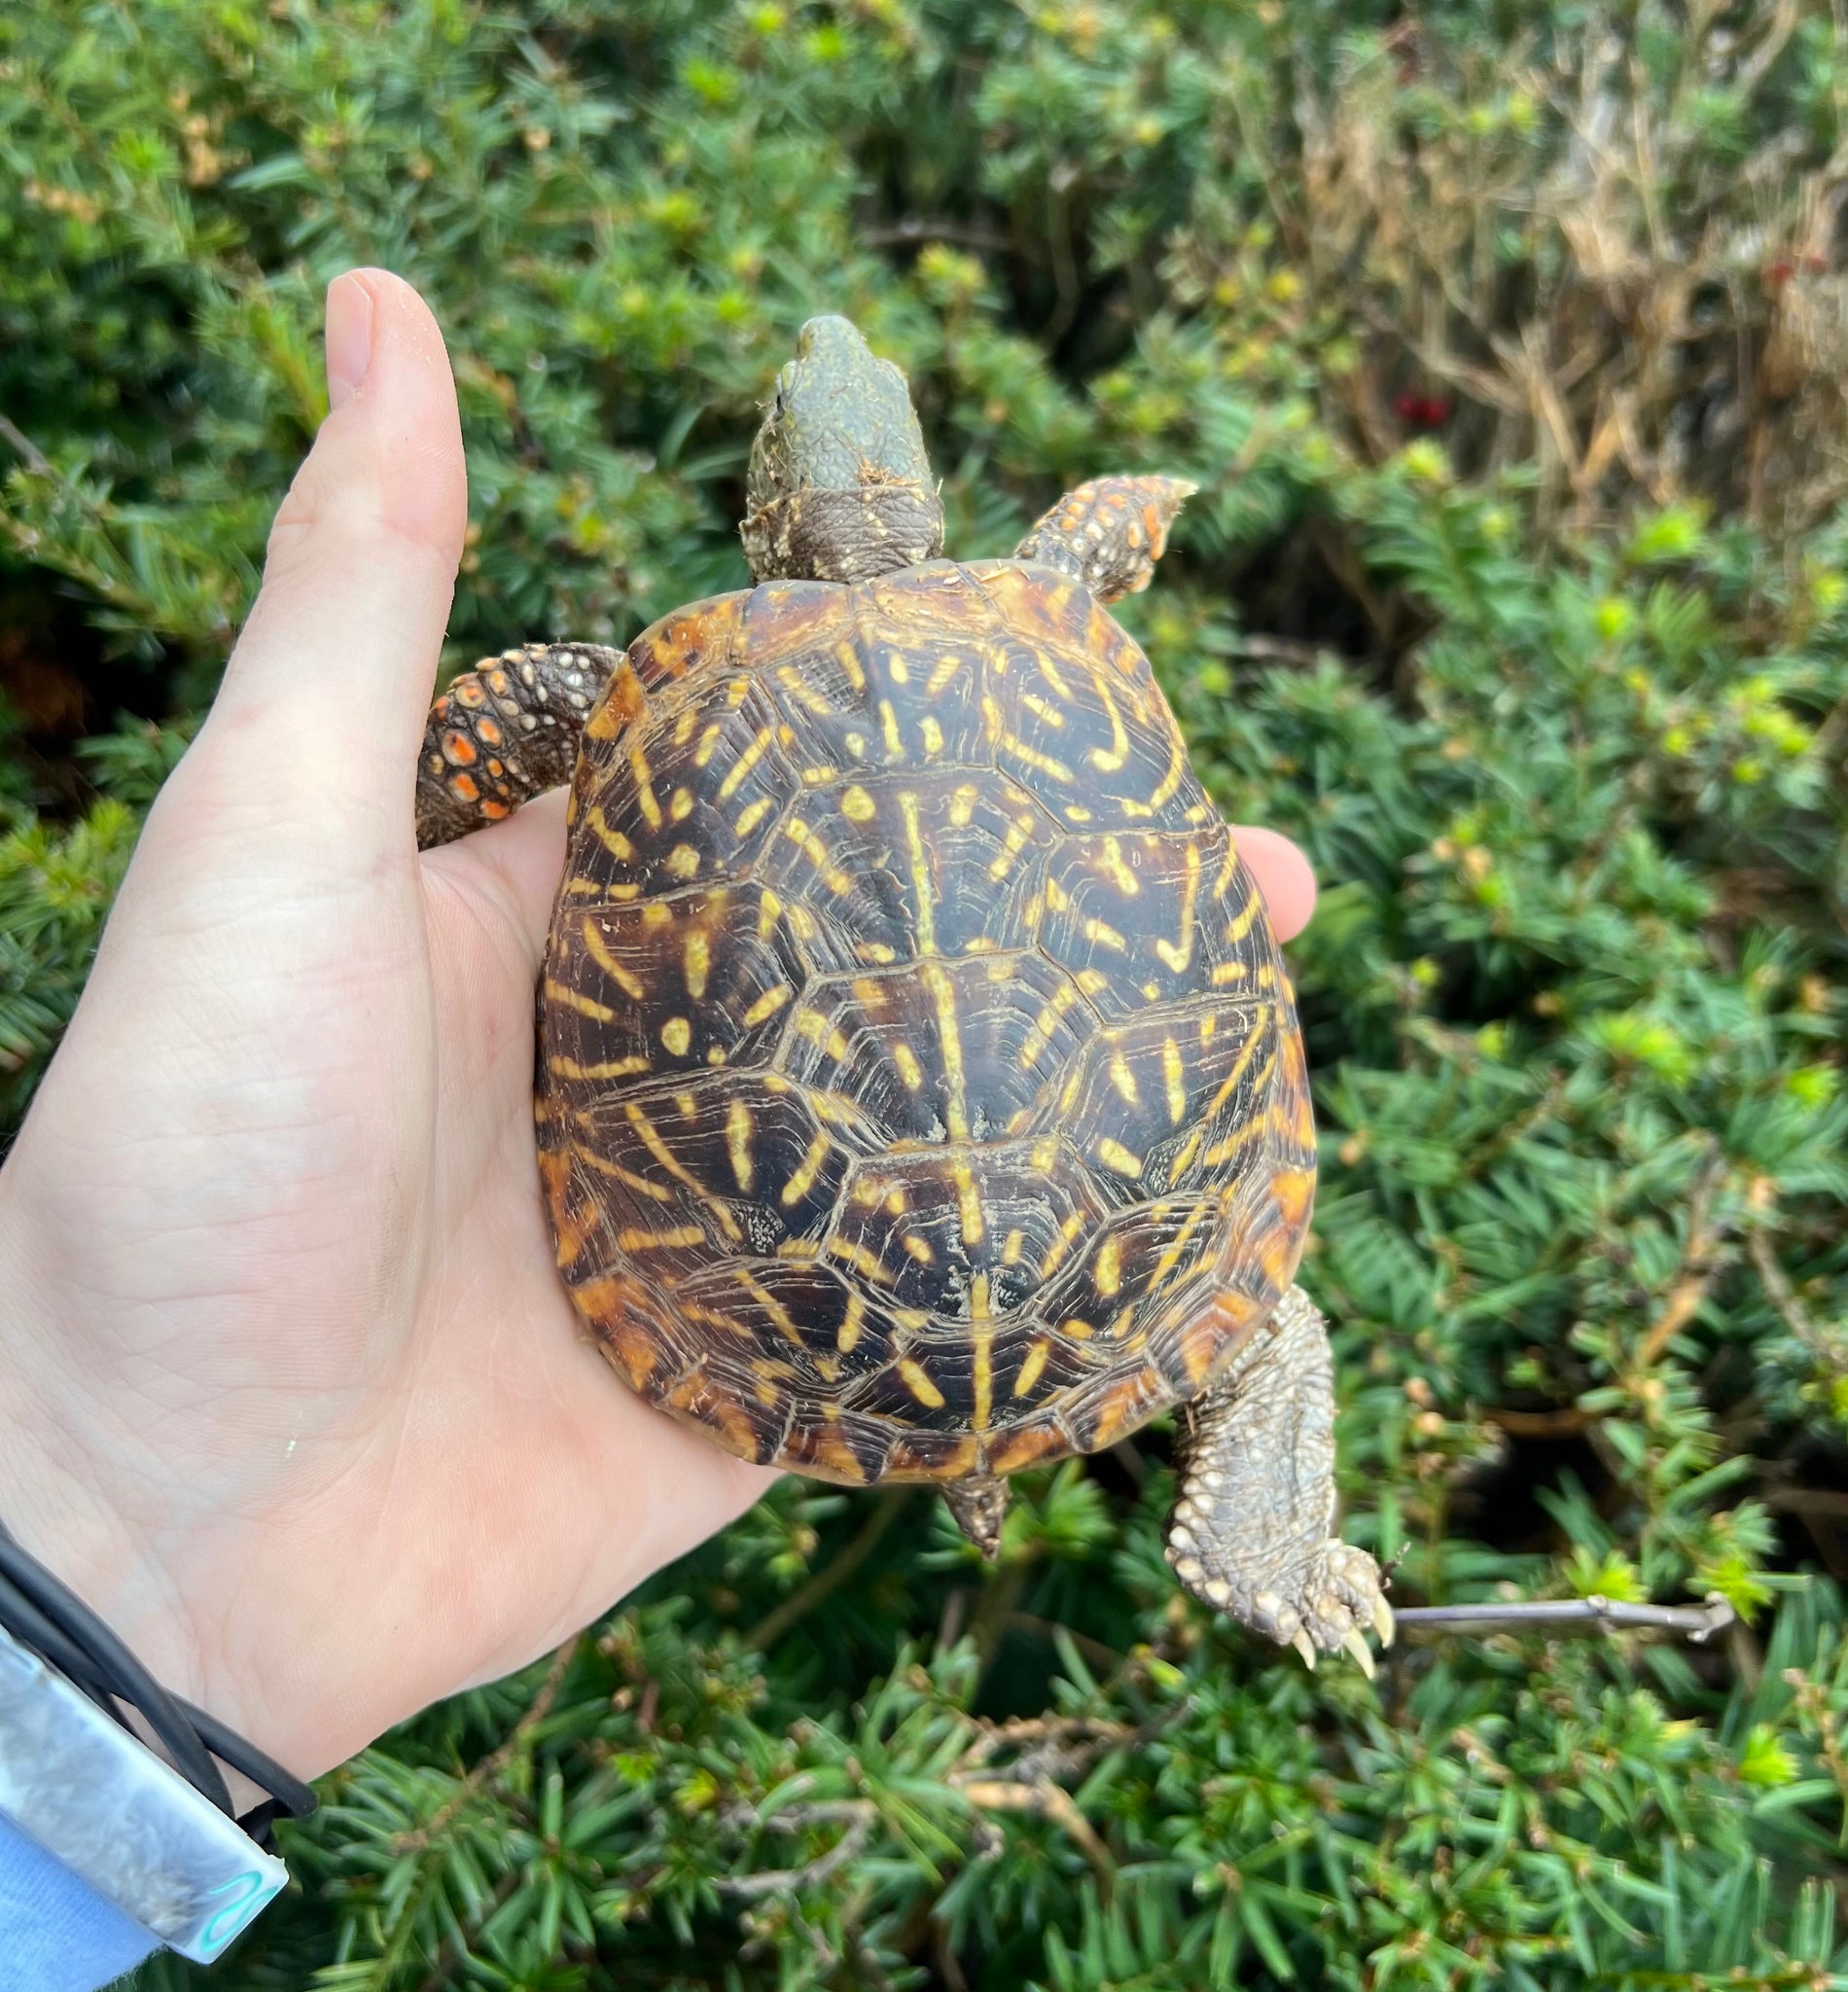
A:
[56,1934]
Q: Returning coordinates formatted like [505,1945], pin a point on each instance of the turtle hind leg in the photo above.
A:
[979,1502]
[505,731]
[1109,533]
[1251,1528]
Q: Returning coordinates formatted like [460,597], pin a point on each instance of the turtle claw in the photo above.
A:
[1356,1647]
[1383,1623]
[1305,1645]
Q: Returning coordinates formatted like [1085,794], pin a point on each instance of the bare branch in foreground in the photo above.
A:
[1699,1622]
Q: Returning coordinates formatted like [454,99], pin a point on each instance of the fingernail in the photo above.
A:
[349,338]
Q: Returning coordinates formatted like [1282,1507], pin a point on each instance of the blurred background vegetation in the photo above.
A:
[1506,344]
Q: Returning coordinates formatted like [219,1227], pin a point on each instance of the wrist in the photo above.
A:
[65,1477]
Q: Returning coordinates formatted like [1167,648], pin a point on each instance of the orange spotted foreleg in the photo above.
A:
[1109,533]
[503,733]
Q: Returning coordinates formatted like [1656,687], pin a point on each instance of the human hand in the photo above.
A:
[292,1392]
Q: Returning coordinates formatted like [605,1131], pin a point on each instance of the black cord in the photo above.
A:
[45,1615]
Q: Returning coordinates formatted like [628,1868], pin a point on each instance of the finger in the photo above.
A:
[323,703]
[1282,877]
[518,865]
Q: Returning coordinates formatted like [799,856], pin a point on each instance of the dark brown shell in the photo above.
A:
[920,1089]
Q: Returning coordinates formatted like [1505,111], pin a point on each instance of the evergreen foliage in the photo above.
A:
[1506,347]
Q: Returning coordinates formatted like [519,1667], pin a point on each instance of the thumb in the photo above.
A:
[319,718]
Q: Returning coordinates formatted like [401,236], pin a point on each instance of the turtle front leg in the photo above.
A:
[1251,1528]
[504,732]
[1109,533]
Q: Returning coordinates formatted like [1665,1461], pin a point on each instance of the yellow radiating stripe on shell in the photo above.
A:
[1045,1023]
[751,814]
[1062,1244]
[855,806]
[968,1203]
[1260,1018]
[629,984]
[909,1070]
[851,1322]
[585,1006]
[942,993]
[699,954]
[772,1305]
[920,876]
[760,745]
[1114,1156]
[603,1166]
[1177,766]
[645,788]
[1124,1079]
[816,852]
[1032,1368]
[1174,1074]
[768,1005]
[864,1262]
[831,1038]
[1124,879]
[665,1156]
[737,1132]
[1110,761]
[561,1067]
[799,1184]
[1108,1272]
[1241,1137]
[613,840]
[1178,955]
[1171,1257]
[920,1385]
[643,1241]
[1020,831]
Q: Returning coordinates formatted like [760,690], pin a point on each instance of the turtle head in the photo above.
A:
[839,486]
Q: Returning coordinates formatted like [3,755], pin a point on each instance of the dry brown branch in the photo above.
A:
[801,1602]
[858,1815]
[1783,1295]
[1702,1257]
[497,1761]
[1054,1804]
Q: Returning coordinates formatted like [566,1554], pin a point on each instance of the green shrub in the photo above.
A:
[1507,351]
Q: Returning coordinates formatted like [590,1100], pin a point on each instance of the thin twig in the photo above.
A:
[34,457]
[1783,1295]
[860,1816]
[799,1602]
[497,1761]
[1701,1259]
[1700,1623]
[1053,1802]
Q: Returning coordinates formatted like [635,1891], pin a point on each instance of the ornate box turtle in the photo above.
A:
[920,1094]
